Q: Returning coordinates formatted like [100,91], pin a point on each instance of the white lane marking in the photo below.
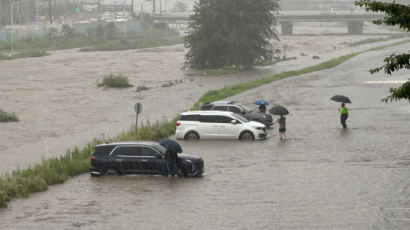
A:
[386,82]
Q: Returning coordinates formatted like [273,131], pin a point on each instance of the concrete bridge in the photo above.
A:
[354,21]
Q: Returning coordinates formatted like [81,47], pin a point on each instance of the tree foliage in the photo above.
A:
[230,32]
[397,15]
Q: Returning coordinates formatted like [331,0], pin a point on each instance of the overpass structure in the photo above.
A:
[354,21]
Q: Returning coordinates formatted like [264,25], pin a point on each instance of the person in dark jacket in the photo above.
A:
[172,158]
[262,108]
[344,113]
[282,127]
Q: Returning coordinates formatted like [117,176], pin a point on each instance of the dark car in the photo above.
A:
[235,107]
[140,158]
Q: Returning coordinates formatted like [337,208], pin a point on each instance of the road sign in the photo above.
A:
[138,108]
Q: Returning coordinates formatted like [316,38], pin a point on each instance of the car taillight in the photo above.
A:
[93,157]
[178,123]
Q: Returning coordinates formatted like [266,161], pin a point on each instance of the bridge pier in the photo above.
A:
[286,28]
[355,27]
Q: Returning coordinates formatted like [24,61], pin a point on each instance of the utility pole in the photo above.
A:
[49,12]
[125,22]
[132,7]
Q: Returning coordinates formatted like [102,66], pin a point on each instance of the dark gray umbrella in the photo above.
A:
[340,98]
[170,145]
[278,110]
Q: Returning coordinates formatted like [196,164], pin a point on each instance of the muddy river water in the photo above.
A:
[321,177]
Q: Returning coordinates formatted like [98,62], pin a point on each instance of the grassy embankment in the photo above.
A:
[380,39]
[96,40]
[20,183]
[147,39]
[22,54]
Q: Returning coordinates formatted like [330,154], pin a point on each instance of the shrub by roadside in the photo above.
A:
[115,81]
[7,117]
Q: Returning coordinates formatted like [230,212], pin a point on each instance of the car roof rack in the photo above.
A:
[224,102]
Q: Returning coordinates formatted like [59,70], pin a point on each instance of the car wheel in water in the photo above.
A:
[246,135]
[119,171]
[191,135]
[101,173]
[182,173]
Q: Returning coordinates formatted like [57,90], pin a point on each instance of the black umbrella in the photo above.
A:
[340,98]
[170,145]
[278,110]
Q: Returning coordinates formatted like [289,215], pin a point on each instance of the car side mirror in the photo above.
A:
[233,122]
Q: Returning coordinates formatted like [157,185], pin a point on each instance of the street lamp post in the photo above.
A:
[125,22]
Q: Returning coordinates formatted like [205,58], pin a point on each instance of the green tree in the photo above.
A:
[67,31]
[230,32]
[397,15]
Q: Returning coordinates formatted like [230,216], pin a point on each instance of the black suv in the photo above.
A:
[235,107]
[140,158]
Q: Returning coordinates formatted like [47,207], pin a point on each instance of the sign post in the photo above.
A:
[137,109]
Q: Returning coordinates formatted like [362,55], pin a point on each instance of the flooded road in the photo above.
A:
[321,177]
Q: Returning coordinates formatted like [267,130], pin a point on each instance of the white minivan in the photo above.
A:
[218,125]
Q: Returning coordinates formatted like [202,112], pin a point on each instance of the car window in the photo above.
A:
[223,119]
[245,109]
[128,151]
[208,119]
[194,117]
[221,107]
[235,109]
[206,107]
[103,150]
[148,152]
[240,118]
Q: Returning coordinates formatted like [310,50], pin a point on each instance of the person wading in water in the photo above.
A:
[344,114]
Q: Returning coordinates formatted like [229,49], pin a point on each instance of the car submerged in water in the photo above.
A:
[238,108]
[146,157]
[195,125]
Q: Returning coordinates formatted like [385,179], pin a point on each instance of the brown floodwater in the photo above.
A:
[321,177]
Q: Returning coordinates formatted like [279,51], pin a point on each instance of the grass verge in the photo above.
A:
[128,45]
[372,40]
[20,183]
[24,54]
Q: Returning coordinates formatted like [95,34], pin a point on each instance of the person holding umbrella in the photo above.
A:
[262,105]
[173,148]
[280,110]
[344,113]
[282,127]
